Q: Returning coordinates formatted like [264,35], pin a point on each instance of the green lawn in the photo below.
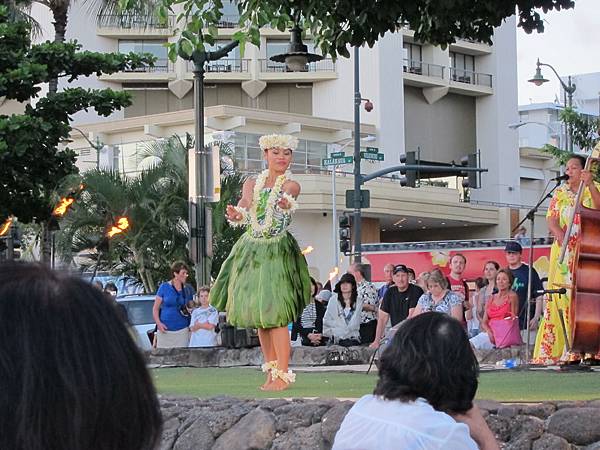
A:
[506,386]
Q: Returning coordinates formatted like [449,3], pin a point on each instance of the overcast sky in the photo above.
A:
[570,43]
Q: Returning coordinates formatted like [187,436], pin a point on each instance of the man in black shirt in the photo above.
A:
[520,271]
[398,302]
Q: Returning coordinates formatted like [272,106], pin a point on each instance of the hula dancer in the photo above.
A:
[264,283]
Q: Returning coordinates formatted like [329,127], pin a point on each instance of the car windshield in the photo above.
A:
[139,311]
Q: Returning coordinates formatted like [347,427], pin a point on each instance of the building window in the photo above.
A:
[462,67]
[412,58]
[230,63]
[155,47]
[249,157]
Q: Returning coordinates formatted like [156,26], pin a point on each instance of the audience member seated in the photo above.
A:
[499,325]
[71,376]
[439,298]
[341,322]
[424,396]
[310,322]
[204,321]
[398,303]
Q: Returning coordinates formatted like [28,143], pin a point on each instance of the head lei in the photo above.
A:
[278,141]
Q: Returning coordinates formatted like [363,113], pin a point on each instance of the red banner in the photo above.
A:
[426,260]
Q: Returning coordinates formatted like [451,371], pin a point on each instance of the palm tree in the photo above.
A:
[20,11]
[156,204]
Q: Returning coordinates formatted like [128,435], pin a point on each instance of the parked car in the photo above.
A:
[139,312]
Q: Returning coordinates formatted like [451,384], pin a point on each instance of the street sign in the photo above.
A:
[365,198]
[372,150]
[372,156]
[337,161]
[337,155]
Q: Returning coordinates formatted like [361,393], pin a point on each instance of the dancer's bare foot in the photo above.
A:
[277,385]
[266,383]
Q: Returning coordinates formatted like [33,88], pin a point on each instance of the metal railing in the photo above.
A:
[134,21]
[226,65]
[325,65]
[470,77]
[423,68]
[229,21]
[160,66]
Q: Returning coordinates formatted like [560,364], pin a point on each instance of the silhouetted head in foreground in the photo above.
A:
[71,377]
[430,357]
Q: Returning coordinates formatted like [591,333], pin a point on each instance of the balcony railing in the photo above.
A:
[230,21]
[423,68]
[134,21]
[227,65]
[160,66]
[470,77]
[434,70]
[325,65]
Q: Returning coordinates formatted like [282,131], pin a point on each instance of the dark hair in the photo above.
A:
[110,286]
[430,357]
[71,375]
[178,266]
[582,160]
[314,287]
[480,282]
[411,271]
[347,278]
[509,274]
[494,263]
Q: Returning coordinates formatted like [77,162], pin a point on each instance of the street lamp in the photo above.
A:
[569,88]
[553,133]
[98,146]
[297,56]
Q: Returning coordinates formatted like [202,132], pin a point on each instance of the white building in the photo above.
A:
[443,103]
[586,97]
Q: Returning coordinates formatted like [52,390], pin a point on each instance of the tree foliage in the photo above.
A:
[337,24]
[585,132]
[33,160]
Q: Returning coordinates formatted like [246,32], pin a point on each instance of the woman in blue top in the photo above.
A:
[173,327]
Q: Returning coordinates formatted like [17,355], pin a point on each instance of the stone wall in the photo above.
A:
[227,423]
[301,356]
[235,357]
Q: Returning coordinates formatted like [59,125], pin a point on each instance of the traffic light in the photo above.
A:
[410,177]
[472,178]
[344,233]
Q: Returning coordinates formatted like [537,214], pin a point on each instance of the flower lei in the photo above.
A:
[270,207]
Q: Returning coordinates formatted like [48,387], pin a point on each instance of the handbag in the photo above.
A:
[506,332]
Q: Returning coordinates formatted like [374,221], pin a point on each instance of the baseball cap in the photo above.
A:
[513,246]
[400,268]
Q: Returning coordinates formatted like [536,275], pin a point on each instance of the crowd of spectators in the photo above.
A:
[354,311]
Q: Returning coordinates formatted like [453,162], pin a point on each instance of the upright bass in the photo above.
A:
[585,288]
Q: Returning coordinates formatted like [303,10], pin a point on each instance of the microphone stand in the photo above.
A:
[531,217]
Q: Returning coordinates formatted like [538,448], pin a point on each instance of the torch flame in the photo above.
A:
[334,273]
[122,225]
[307,250]
[62,206]
[5,226]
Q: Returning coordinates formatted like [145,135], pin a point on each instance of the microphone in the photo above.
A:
[560,178]
[551,291]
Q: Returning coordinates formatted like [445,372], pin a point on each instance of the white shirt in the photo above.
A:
[379,424]
[334,321]
[203,337]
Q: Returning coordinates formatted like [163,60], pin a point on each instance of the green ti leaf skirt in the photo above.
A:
[264,283]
